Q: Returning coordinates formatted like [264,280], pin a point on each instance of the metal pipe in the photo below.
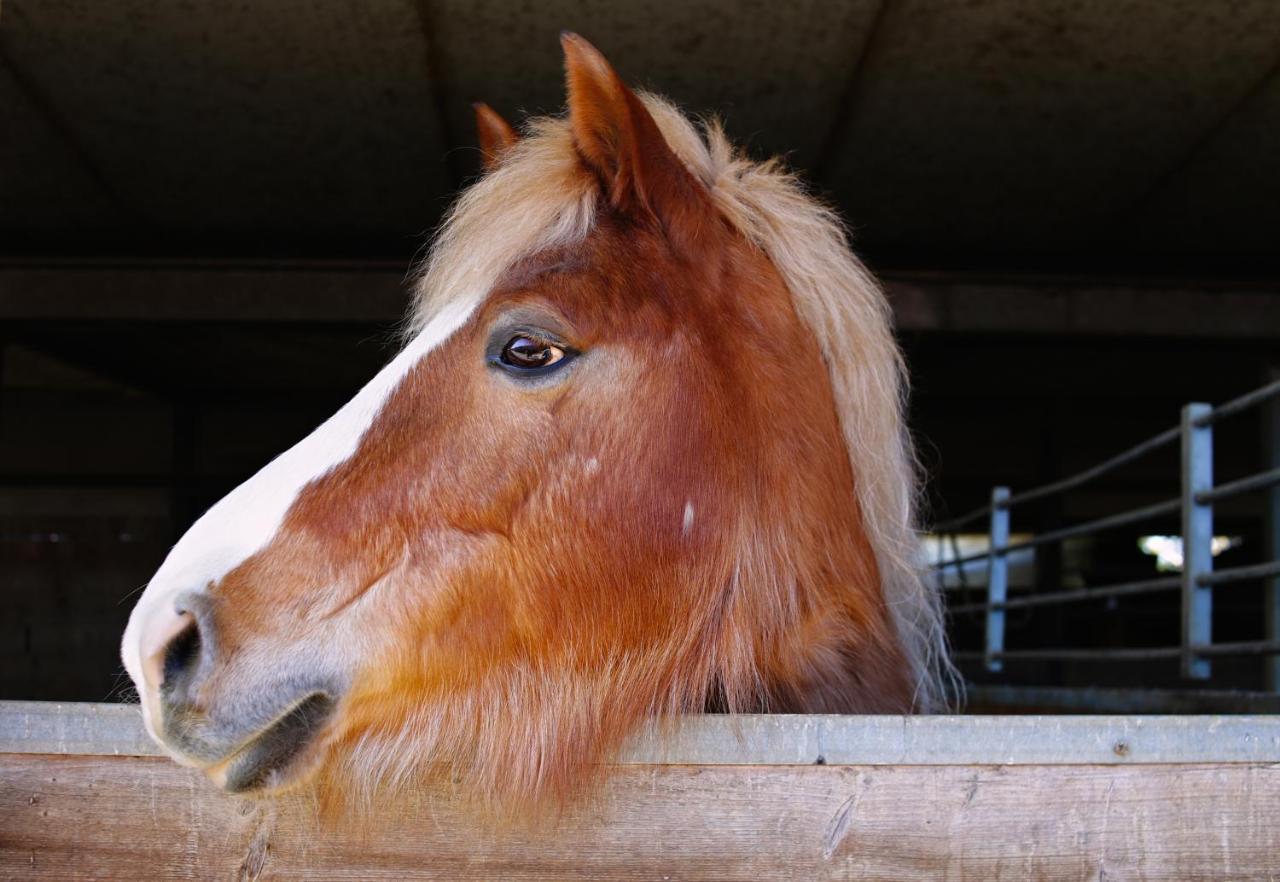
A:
[1270,419]
[1069,654]
[949,526]
[1244,647]
[997,576]
[1244,402]
[1260,481]
[1240,574]
[1166,437]
[1197,539]
[1148,586]
[1116,520]
[1095,700]
[1249,647]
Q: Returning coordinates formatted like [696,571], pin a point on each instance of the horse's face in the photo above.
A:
[534,520]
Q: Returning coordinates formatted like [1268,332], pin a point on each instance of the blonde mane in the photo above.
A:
[537,198]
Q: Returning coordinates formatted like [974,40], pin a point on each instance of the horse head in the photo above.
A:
[641,454]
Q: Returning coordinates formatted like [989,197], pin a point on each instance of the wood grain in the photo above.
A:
[783,739]
[71,817]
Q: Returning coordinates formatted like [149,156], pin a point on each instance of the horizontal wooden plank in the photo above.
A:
[103,729]
[70,818]
[319,291]
[959,740]
[74,727]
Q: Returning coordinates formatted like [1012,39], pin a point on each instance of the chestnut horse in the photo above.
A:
[642,455]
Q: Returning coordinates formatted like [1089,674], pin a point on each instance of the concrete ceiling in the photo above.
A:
[999,134]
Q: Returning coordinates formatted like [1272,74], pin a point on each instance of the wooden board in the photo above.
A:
[130,818]
[82,796]
[783,739]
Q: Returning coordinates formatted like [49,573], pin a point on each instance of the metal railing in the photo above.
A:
[1196,582]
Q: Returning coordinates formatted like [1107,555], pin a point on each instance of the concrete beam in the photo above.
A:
[379,293]
[212,292]
[1085,306]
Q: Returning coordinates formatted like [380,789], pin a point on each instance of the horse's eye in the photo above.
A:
[530,353]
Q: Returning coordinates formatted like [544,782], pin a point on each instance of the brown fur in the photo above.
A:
[517,576]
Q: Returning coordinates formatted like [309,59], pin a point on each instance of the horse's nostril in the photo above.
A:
[175,648]
[181,657]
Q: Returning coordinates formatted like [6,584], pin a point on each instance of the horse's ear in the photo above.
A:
[495,134]
[619,140]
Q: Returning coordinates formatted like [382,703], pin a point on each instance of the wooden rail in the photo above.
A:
[82,795]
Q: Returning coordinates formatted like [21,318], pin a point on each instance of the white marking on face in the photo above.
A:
[246,519]
[687,523]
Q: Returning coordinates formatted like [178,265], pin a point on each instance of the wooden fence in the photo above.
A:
[83,795]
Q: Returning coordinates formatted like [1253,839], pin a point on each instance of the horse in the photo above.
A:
[641,454]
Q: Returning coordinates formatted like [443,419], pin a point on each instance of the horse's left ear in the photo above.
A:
[494,133]
[619,140]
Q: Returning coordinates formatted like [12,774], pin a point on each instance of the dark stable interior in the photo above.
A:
[1026,160]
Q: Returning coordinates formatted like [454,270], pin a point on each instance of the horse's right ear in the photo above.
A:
[620,141]
[494,133]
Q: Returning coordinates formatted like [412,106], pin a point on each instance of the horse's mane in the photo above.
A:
[537,198]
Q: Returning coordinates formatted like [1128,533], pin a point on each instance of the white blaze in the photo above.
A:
[246,519]
[536,199]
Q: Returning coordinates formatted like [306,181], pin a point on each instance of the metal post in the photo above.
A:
[1271,536]
[1197,540]
[997,576]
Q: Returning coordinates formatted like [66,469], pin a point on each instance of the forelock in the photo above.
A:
[539,197]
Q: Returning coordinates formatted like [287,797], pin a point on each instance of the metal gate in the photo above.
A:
[1196,582]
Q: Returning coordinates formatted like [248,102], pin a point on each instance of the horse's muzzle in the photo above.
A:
[259,757]
[264,763]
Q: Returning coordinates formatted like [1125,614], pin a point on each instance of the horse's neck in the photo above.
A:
[862,677]
[870,681]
